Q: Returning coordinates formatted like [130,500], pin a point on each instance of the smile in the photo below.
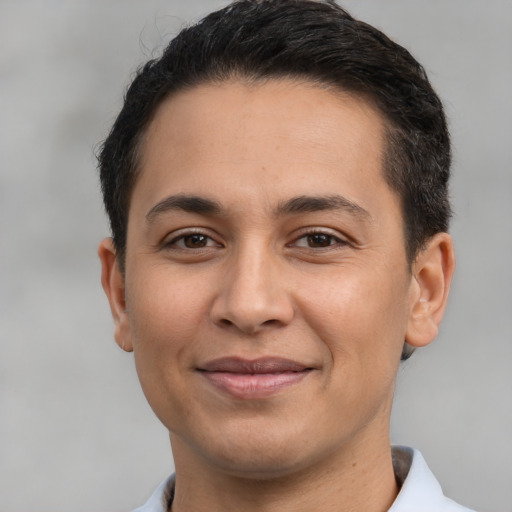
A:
[256,379]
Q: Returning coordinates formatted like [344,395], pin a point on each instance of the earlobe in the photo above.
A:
[432,274]
[112,281]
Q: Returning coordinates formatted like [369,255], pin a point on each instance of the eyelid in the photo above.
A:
[322,231]
[342,239]
[171,239]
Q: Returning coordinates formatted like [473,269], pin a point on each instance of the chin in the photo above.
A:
[266,456]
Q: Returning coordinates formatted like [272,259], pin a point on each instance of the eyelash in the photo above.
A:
[183,236]
[331,239]
[321,233]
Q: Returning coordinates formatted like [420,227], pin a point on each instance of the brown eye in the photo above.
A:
[192,241]
[319,240]
[192,245]
[195,241]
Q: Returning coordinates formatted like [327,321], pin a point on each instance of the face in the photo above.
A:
[267,289]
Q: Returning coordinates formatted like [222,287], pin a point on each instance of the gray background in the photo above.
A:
[75,431]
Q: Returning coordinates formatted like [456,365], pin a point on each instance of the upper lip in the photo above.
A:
[253,366]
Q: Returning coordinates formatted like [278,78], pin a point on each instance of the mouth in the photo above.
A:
[253,379]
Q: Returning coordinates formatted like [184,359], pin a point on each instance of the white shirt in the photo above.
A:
[419,492]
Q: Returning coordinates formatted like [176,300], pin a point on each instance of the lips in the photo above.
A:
[253,379]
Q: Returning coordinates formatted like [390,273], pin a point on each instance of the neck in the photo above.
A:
[359,477]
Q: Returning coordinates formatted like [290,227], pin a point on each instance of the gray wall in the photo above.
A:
[75,431]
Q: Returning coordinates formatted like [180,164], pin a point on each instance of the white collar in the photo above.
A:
[420,491]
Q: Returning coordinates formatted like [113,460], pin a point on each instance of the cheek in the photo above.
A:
[359,329]
[357,315]
[166,309]
[165,315]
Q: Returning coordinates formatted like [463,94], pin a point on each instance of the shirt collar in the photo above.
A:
[161,498]
[419,489]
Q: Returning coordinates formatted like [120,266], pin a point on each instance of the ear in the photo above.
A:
[112,281]
[432,274]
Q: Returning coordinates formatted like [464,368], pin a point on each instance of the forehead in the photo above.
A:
[295,133]
[306,111]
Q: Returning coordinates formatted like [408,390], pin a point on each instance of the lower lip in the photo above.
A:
[253,386]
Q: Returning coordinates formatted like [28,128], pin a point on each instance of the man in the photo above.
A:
[277,189]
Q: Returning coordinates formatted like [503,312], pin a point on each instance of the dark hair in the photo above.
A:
[310,40]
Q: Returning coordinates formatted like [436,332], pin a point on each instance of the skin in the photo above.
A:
[264,274]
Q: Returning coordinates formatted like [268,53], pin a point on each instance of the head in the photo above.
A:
[276,184]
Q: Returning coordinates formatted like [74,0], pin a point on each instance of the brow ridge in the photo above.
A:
[295,205]
[305,204]
[186,203]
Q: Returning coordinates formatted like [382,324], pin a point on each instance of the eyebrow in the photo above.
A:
[305,204]
[190,204]
[295,205]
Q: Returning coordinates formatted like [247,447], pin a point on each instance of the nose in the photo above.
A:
[253,295]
